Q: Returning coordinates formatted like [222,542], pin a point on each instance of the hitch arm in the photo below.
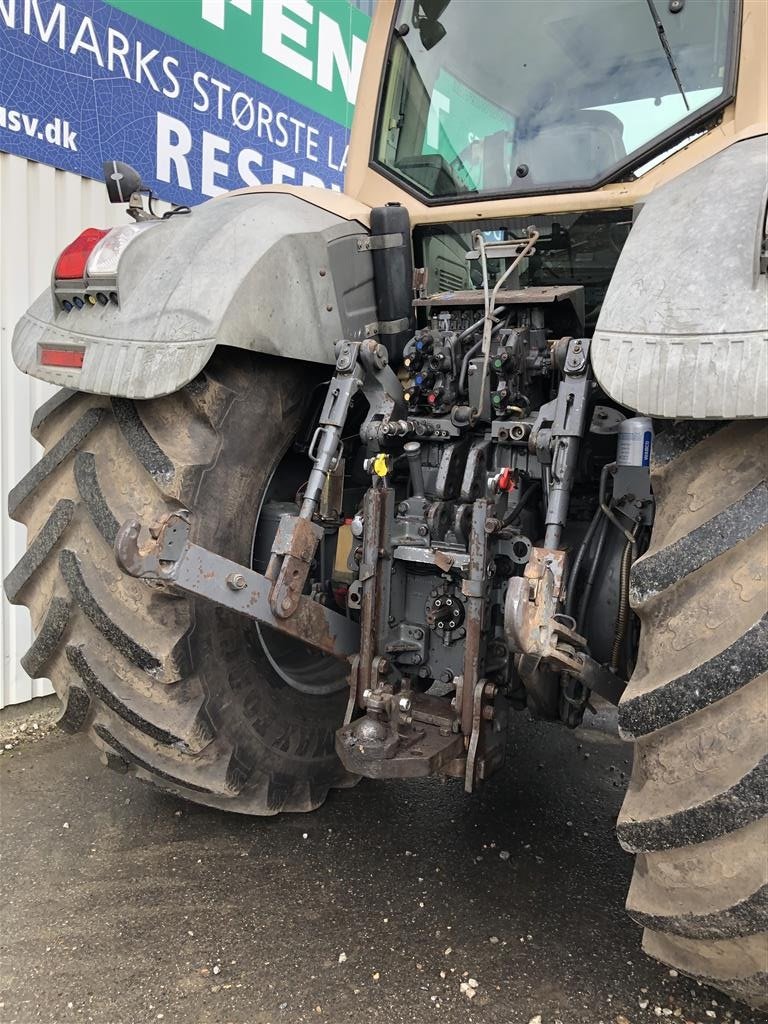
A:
[359,365]
[171,558]
[535,627]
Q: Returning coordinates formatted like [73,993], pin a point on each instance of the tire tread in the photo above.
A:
[696,707]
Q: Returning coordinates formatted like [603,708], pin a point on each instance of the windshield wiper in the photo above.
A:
[659,25]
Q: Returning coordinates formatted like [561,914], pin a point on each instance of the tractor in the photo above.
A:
[335,484]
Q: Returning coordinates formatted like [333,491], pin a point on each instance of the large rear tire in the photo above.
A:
[697,709]
[178,691]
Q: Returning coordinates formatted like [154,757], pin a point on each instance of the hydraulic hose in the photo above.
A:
[517,511]
[578,562]
[466,333]
[622,618]
[584,603]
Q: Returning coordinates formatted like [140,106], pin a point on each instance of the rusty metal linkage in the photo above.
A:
[534,627]
[297,537]
[402,735]
[171,558]
[360,365]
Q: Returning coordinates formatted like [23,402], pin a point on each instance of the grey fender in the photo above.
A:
[270,272]
[683,331]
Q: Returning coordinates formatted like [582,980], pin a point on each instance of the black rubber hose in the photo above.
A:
[517,511]
[584,603]
[578,562]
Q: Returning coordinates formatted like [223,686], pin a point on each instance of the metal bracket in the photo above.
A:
[385,327]
[568,426]
[172,559]
[534,627]
[402,736]
[474,589]
[474,740]
[498,250]
[366,243]
[383,390]
[297,537]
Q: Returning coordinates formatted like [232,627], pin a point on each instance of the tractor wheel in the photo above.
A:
[177,690]
[697,710]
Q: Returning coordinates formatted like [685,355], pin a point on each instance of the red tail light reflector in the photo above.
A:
[71,264]
[69,358]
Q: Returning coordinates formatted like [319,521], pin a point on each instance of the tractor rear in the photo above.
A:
[336,484]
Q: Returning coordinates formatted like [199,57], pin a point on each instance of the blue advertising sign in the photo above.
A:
[84,81]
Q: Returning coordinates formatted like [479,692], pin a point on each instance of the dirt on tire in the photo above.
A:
[697,711]
[176,690]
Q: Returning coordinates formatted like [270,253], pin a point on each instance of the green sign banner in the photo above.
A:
[201,96]
[310,52]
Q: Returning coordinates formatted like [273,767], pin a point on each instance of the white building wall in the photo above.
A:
[41,211]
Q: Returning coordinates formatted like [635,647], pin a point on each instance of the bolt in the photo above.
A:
[423,531]
[404,704]
[236,581]
[323,271]
[402,508]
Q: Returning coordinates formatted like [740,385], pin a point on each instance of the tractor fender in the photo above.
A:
[683,331]
[277,272]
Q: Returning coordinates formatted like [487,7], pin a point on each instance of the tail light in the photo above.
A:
[70,266]
[86,272]
[103,261]
[71,358]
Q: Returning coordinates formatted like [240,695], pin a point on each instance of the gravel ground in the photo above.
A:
[398,903]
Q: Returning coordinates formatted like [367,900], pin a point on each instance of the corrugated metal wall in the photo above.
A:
[41,211]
